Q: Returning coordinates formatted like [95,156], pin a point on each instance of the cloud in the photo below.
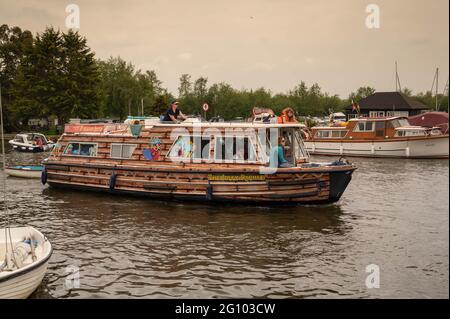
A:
[185,56]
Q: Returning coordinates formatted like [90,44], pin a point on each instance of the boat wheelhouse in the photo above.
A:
[31,142]
[193,161]
[378,137]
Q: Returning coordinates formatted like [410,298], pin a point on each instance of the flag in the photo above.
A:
[355,107]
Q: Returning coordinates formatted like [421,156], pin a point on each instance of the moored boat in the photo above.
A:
[23,261]
[31,142]
[24,171]
[194,161]
[378,137]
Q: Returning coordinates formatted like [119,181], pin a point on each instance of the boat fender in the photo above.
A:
[209,191]
[44,176]
[112,181]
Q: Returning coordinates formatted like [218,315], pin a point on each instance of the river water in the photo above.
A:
[394,214]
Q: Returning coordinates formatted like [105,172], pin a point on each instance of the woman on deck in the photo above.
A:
[277,155]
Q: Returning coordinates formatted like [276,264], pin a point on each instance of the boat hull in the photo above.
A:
[431,147]
[23,173]
[21,287]
[21,283]
[26,148]
[287,186]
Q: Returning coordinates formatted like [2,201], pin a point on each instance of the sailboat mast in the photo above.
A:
[437,86]
[396,77]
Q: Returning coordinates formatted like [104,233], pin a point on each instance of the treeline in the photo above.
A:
[56,75]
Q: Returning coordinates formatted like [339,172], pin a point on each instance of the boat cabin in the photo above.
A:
[150,141]
[372,128]
[29,138]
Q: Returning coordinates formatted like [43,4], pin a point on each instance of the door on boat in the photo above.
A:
[380,128]
[295,150]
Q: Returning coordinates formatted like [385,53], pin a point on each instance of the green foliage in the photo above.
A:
[56,74]
[14,43]
[124,90]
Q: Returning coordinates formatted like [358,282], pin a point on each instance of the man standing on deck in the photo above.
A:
[173,113]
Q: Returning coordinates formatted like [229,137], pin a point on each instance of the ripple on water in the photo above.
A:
[394,214]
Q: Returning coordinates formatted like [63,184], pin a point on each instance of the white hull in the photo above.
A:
[23,173]
[31,148]
[23,286]
[436,147]
[21,283]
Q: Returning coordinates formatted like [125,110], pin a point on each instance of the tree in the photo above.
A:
[58,77]
[14,44]
[185,88]
[361,93]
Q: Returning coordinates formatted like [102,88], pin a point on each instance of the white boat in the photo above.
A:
[22,272]
[31,142]
[24,171]
[378,137]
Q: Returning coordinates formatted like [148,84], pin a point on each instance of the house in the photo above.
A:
[383,104]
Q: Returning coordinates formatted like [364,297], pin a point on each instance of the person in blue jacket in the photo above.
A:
[277,155]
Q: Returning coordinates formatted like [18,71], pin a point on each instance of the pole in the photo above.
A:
[142,106]
[396,77]
[437,86]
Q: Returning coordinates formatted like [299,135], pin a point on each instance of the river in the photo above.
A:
[394,214]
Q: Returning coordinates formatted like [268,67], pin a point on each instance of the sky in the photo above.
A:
[261,43]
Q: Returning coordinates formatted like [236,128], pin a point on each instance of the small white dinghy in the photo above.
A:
[23,261]
[24,171]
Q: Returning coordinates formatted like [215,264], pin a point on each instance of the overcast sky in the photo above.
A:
[254,43]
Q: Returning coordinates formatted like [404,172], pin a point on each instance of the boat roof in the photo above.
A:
[226,124]
[377,119]
[27,134]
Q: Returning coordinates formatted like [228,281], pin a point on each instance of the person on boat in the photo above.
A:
[277,155]
[287,116]
[173,113]
[39,142]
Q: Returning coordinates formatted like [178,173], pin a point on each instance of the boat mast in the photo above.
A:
[398,87]
[437,86]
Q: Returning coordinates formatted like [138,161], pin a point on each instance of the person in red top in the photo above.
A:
[39,142]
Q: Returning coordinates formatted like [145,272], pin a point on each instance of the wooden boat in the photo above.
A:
[378,137]
[22,273]
[193,161]
[24,171]
[31,142]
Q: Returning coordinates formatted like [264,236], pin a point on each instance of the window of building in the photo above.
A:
[190,147]
[122,150]
[397,113]
[81,149]
[377,114]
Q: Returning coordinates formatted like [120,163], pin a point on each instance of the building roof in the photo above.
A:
[389,101]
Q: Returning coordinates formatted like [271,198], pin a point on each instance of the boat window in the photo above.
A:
[405,133]
[19,139]
[81,149]
[365,126]
[122,150]
[239,149]
[188,147]
[331,133]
